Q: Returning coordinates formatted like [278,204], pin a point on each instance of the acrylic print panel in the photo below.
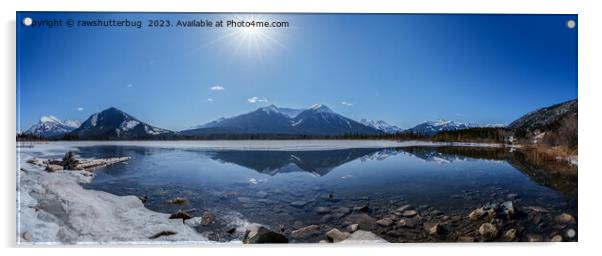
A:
[296,128]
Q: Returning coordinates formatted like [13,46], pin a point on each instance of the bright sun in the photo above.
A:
[245,35]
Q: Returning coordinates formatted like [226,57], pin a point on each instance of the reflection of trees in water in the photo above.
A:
[558,175]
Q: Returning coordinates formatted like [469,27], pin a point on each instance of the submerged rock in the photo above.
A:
[465,239]
[409,213]
[533,238]
[556,238]
[258,235]
[432,228]
[322,210]
[305,232]
[299,204]
[177,200]
[385,222]
[565,218]
[53,168]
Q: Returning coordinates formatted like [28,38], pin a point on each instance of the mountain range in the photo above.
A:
[317,120]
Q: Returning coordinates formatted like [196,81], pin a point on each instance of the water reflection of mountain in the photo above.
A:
[316,162]
[559,176]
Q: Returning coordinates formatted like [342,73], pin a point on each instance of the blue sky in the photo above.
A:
[403,69]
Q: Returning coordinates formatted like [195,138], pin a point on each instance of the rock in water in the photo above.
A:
[565,218]
[177,200]
[207,218]
[335,235]
[260,235]
[488,230]
[385,222]
[305,232]
[409,213]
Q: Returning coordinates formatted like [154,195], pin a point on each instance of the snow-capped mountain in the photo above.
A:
[113,123]
[51,126]
[433,127]
[316,120]
[381,125]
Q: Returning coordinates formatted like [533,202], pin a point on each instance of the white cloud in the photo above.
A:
[257,99]
[80,109]
[210,99]
[217,88]
[130,85]
[347,103]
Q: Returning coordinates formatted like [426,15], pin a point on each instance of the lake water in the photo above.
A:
[285,190]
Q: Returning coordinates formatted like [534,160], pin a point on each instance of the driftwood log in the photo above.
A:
[70,163]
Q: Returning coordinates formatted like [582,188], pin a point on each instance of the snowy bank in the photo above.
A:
[54,209]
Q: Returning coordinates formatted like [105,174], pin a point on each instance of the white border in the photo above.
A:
[589,24]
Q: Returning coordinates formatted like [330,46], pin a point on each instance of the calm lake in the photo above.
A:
[286,190]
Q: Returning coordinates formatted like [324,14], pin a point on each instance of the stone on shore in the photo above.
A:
[488,230]
[409,213]
[353,227]
[510,234]
[258,235]
[207,218]
[335,235]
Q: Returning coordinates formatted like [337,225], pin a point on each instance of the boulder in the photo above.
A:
[305,232]
[335,235]
[488,230]
[258,235]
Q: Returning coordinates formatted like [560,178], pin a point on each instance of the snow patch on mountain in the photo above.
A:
[49,126]
[381,125]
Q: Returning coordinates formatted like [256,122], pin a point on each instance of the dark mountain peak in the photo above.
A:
[112,123]
[545,116]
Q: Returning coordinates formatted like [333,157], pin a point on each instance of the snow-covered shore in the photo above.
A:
[53,208]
